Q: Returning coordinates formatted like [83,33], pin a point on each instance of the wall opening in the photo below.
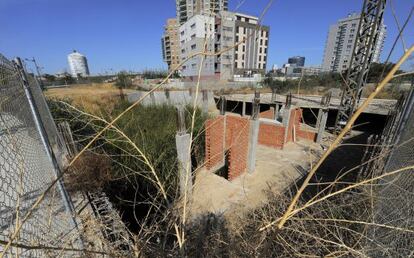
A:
[224,170]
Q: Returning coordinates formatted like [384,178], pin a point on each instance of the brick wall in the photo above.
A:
[214,142]
[237,142]
[271,135]
[270,114]
[231,133]
[234,132]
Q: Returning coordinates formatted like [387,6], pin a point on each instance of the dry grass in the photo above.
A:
[89,97]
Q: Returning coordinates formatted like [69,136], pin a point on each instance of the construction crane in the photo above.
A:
[367,36]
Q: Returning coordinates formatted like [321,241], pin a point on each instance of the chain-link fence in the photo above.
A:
[393,202]
[28,171]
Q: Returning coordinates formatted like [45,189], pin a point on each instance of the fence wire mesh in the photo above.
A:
[26,171]
[393,204]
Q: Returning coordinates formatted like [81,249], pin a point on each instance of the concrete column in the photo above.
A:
[167,96]
[183,142]
[253,139]
[152,96]
[286,119]
[276,113]
[244,108]
[205,101]
[321,123]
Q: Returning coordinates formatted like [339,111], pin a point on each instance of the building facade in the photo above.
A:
[78,65]
[188,8]
[170,44]
[298,61]
[252,39]
[340,44]
[240,42]
[197,35]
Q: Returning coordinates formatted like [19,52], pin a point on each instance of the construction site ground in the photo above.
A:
[276,170]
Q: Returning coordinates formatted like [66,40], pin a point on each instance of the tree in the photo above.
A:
[49,77]
[379,70]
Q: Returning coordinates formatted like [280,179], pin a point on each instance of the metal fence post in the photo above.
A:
[45,142]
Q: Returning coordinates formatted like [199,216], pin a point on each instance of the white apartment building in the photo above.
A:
[197,35]
[340,44]
[78,64]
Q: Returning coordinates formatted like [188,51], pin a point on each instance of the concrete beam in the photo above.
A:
[183,142]
[244,108]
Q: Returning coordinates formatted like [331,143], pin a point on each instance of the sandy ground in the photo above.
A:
[275,171]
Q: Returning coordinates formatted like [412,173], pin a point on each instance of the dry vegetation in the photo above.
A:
[335,222]
[89,97]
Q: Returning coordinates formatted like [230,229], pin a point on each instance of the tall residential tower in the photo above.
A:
[340,44]
[78,64]
[170,44]
[188,8]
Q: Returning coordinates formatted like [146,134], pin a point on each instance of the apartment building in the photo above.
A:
[340,44]
[250,54]
[170,44]
[240,42]
[197,35]
[188,8]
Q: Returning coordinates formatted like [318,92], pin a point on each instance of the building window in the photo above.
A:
[193,46]
[193,36]
[193,26]
[260,58]
[227,28]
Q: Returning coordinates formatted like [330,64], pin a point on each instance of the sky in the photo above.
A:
[120,35]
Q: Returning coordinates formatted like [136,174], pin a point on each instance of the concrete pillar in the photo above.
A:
[276,113]
[244,108]
[286,119]
[205,101]
[152,96]
[321,123]
[167,96]
[253,139]
[183,142]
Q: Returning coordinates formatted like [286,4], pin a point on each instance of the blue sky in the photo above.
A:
[125,34]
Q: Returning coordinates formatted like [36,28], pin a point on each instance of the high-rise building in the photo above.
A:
[340,44]
[298,61]
[240,38]
[171,44]
[252,39]
[188,8]
[197,35]
[78,64]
